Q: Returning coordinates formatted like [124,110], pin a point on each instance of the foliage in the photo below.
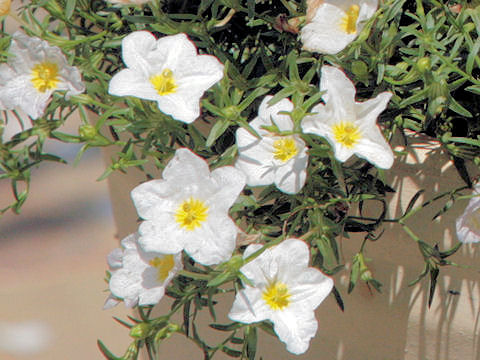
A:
[424,52]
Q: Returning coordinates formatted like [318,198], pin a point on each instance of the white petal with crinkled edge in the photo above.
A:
[16,88]
[230,182]
[146,57]
[286,263]
[339,94]
[128,83]
[295,328]
[133,279]
[291,179]
[324,33]
[341,107]
[214,242]
[257,155]
[187,177]
[468,224]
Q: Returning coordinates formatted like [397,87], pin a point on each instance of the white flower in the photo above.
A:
[33,73]
[468,224]
[349,126]
[272,158]
[139,277]
[285,291]
[335,24]
[188,209]
[168,71]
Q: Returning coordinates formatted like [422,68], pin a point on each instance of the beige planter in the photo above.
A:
[396,324]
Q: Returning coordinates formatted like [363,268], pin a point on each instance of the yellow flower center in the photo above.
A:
[346,133]
[276,296]
[163,265]
[191,214]
[45,76]
[164,83]
[349,21]
[284,149]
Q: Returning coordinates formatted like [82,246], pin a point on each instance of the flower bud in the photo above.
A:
[424,64]
[140,331]
[235,263]
[230,112]
[166,331]
[87,132]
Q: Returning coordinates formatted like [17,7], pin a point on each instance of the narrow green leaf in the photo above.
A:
[251,342]
[413,200]
[231,352]
[70,8]
[226,327]
[472,56]
[107,352]
[433,284]
[459,109]
[219,279]
[338,298]
[186,317]
[217,130]
[354,273]
[474,89]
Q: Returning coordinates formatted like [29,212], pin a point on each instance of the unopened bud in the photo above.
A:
[87,132]
[140,331]
[424,64]
[166,331]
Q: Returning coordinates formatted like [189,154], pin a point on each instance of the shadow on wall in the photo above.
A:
[396,324]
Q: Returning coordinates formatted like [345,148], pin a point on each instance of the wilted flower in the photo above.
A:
[349,126]
[468,224]
[285,291]
[33,73]
[168,71]
[272,158]
[139,277]
[188,209]
[335,24]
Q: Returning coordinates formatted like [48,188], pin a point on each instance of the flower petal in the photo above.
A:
[311,288]
[127,82]
[292,255]
[230,182]
[186,165]
[271,113]
[368,111]
[324,34]
[176,52]
[291,178]
[375,149]
[161,235]
[295,329]
[136,49]
[148,196]
[183,105]
[248,306]
[214,242]
[340,93]
[256,159]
